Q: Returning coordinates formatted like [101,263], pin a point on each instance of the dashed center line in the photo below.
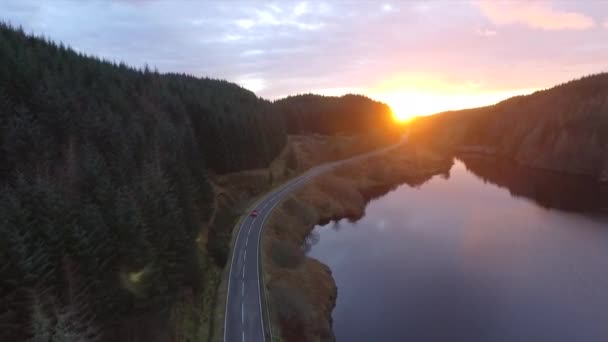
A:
[270,203]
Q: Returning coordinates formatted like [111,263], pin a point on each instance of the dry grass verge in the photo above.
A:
[241,191]
[300,290]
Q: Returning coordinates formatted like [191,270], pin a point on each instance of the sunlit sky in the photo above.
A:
[420,57]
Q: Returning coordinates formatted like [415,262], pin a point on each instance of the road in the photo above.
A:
[246,312]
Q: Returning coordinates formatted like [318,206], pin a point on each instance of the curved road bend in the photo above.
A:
[244,316]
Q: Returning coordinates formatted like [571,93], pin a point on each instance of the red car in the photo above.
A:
[254,213]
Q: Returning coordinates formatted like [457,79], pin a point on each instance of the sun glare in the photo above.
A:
[406,105]
[418,94]
[401,115]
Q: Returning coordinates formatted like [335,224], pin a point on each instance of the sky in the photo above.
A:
[420,57]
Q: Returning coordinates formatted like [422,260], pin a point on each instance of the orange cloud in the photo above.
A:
[534,14]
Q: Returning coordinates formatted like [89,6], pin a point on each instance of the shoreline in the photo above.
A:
[238,192]
[601,179]
[301,290]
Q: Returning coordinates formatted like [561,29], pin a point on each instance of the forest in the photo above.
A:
[348,114]
[104,180]
[564,128]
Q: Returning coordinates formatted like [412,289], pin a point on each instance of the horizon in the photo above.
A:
[419,57]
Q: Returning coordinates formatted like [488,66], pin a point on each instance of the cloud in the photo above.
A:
[253,52]
[422,7]
[485,32]
[231,37]
[605,23]
[300,9]
[245,23]
[273,15]
[324,8]
[538,15]
[275,8]
[331,47]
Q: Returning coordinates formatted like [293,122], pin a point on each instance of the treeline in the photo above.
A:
[104,184]
[348,114]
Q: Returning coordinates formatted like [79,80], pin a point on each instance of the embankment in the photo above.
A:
[201,315]
[300,290]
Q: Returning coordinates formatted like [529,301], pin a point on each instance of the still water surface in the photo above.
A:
[465,259]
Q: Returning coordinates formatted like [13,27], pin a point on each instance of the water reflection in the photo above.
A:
[548,189]
[461,258]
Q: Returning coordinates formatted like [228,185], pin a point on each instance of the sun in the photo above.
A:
[401,115]
[405,106]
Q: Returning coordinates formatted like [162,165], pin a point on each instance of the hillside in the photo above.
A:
[112,227]
[564,128]
[348,114]
[104,185]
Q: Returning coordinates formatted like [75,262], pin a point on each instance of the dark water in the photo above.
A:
[493,253]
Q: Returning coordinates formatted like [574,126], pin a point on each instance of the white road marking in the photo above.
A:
[245,254]
[257,255]
[243,289]
[243,335]
[243,311]
[243,271]
[230,276]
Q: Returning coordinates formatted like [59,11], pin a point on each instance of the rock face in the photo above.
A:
[563,129]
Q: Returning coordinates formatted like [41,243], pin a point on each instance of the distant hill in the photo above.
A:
[348,114]
[104,185]
[564,128]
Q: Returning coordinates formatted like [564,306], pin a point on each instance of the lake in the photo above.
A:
[492,252]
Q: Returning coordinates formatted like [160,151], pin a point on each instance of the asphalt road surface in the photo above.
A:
[246,315]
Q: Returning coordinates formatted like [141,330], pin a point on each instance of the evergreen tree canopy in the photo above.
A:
[103,180]
[348,114]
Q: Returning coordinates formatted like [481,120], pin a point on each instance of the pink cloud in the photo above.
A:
[534,14]
[485,32]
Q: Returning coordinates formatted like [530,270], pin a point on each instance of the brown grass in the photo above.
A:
[244,189]
[302,296]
